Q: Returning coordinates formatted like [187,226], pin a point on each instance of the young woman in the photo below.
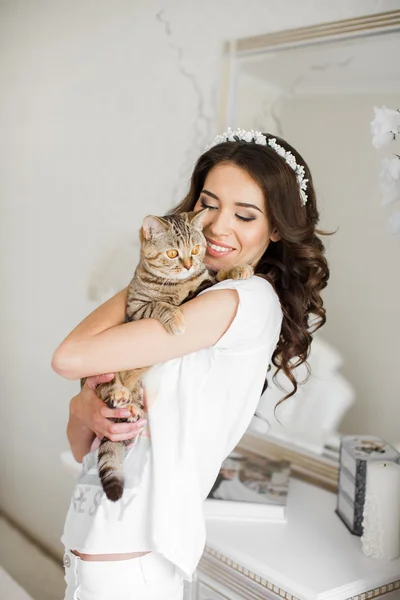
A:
[205,384]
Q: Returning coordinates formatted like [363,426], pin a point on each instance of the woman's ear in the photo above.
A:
[275,237]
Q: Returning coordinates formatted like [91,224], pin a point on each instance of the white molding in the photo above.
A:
[347,28]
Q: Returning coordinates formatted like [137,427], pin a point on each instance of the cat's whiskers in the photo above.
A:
[167,280]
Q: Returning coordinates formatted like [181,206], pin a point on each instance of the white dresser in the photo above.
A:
[311,557]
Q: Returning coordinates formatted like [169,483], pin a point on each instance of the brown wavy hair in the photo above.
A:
[295,265]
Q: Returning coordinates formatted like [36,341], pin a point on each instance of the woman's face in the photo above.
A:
[236,227]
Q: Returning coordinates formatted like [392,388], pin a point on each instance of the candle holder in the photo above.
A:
[355,453]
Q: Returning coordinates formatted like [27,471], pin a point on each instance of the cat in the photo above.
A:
[171,271]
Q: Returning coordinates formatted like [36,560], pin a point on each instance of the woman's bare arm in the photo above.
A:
[79,436]
[109,314]
[103,343]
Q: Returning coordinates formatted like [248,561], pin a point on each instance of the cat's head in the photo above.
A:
[174,246]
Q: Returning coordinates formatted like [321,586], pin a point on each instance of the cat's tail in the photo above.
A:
[110,462]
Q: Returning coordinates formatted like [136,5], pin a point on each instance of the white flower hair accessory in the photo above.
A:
[257,137]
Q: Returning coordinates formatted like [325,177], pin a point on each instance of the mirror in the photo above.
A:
[317,88]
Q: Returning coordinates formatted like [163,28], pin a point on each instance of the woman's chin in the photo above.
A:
[215,264]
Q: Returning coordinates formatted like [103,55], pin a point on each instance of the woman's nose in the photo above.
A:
[220,223]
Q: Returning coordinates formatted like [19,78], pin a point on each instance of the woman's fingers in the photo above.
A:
[122,431]
[121,428]
[114,413]
[119,437]
[93,382]
[109,428]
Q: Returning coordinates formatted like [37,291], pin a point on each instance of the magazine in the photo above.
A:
[249,487]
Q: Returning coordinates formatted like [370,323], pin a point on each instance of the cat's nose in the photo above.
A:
[187,263]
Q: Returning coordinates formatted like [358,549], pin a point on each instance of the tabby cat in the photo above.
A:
[170,272]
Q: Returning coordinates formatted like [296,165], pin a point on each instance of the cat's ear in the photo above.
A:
[152,227]
[198,219]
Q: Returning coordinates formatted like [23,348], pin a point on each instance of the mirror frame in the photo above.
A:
[375,24]
[318,470]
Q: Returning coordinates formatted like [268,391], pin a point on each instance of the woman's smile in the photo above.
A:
[218,248]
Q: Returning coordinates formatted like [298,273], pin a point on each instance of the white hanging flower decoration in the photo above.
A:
[385,127]
[259,138]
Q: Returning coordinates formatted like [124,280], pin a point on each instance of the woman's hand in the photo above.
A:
[92,413]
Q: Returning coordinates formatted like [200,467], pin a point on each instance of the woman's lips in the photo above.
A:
[218,249]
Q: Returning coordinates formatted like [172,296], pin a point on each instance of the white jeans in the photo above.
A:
[148,577]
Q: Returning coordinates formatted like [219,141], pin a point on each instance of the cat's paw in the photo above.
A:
[119,397]
[137,412]
[242,272]
[137,404]
[175,322]
[238,272]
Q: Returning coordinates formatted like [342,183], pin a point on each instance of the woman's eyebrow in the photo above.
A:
[244,204]
[209,194]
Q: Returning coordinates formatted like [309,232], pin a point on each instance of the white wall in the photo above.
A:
[103,108]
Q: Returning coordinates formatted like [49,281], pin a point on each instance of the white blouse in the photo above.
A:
[200,405]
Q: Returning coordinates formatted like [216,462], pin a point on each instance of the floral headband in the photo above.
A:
[259,138]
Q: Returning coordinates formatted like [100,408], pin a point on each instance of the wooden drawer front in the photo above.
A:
[235,583]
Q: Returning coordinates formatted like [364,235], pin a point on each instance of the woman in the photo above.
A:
[205,385]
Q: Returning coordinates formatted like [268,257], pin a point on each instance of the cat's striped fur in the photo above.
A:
[161,283]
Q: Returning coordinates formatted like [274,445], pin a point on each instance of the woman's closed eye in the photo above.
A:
[240,217]
[205,205]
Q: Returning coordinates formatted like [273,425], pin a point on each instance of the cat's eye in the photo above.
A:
[172,253]
[195,250]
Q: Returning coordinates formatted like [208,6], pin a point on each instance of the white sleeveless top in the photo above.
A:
[200,405]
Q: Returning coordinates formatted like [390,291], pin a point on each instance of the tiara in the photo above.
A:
[257,137]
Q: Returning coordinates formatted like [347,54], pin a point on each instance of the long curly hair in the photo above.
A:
[295,265]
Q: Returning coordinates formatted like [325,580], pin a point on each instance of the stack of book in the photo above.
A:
[249,487]
[319,469]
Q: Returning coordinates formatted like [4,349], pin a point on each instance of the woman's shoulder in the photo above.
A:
[259,313]
[258,287]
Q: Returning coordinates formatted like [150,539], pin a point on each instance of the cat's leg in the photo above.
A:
[170,316]
[132,380]
[113,392]
[237,272]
